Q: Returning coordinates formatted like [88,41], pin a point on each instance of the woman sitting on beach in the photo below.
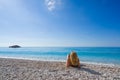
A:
[73,60]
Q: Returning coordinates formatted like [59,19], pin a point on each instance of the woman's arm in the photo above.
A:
[68,61]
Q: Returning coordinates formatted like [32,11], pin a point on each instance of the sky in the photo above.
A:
[67,23]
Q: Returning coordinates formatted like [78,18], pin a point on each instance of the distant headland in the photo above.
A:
[15,46]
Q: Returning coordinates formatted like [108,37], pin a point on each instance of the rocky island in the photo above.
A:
[15,46]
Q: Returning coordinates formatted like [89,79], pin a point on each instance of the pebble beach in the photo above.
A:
[18,69]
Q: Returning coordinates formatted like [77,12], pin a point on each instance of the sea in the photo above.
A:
[92,55]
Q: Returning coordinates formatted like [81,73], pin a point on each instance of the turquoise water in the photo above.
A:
[105,55]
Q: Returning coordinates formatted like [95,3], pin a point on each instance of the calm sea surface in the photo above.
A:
[105,55]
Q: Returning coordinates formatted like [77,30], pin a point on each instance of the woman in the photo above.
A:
[73,60]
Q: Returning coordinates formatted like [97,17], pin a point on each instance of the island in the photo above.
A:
[15,46]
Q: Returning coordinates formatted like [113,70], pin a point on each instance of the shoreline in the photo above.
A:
[19,69]
[84,62]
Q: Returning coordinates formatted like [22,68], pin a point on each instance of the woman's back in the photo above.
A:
[73,60]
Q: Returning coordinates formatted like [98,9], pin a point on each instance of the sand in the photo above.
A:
[17,69]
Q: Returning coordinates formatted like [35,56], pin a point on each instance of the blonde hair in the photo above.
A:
[74,58]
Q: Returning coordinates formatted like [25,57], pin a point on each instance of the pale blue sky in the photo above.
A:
[60,22]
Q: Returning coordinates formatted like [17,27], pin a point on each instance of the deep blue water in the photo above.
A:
[106,55]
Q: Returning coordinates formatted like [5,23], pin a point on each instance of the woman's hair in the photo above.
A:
[74,58]
[74,54]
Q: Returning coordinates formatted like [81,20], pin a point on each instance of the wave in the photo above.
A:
[59,60]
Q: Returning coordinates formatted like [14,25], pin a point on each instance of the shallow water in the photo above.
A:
[105,55]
